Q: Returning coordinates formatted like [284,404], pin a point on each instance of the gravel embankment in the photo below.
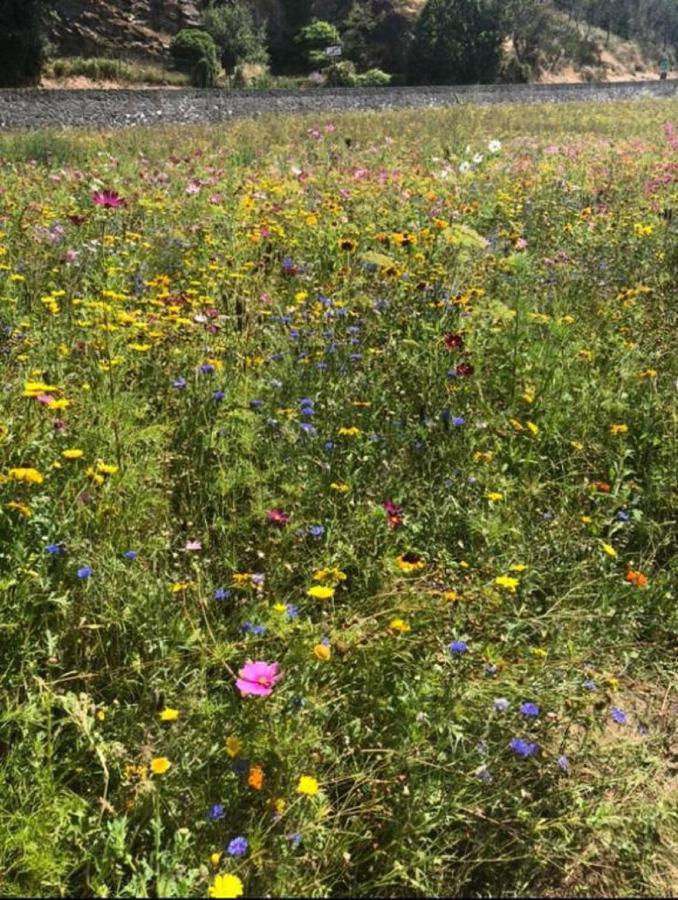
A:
[34,108]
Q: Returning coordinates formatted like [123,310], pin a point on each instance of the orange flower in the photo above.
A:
[636,578]
[601,486]
[256,778]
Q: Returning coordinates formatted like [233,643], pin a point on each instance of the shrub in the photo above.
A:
[236,34]
[340,74]
[204,74]
[189,46]
[373,78]
[314,38]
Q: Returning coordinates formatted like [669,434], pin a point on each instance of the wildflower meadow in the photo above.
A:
[337,506]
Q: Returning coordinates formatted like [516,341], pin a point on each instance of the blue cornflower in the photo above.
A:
[179,383]
[590,685]
[238,847]
[85,572]
[308,428]
[618,716]
[458,647]
[130,554]
[218,396]
[207,368]
[258,578]
[316,531]
[523,748]
[328,446]
[564,763]
[291,611]
[306,402]
[222,594]
[216,812]
[55,549]
[295,839]
[484,775]
[458,420]
[355,357]
[255,404]
[531,710]
[258,630]
[501,704]
[622,516]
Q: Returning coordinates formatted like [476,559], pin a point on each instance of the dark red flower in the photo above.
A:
[394,513]
[77,220]
[454,341]
[463,370]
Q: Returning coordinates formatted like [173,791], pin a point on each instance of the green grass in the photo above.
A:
[103,69]
[269,324]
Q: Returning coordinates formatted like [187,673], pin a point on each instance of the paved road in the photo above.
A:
[33,108]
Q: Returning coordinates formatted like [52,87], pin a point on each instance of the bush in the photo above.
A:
[21,45]
[190,46]
[341,74]
[314,38]
[236,34]
[204,74]
[373,78]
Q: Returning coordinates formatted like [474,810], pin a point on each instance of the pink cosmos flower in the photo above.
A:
[108,199]
[278,517]
[258,678]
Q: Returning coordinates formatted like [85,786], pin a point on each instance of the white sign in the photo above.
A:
[333,51]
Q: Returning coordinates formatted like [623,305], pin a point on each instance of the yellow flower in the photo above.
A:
[29,476]
[607,548]
[106,468]
[160,765]
[539,652]
[483,456]
[349,432]
[330,574]
[585,520]
[180,586]
[215,859]
[533,428]
[308,786]
[72,454]
[648,373]
[399,625]
[494,496]
[233,746]
[279,607]
[518,567]
[340,488]
[505,581]
[59,404]
[450,596]
[320,592]
[35,388]
[322,652]
[19,507]
[169,715]
[577,445]
[410,562]
[619,429]
[226,887]
[279,805]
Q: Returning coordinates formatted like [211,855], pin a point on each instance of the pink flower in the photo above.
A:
[193,545]
[258,678]
[278,517]
[108,199]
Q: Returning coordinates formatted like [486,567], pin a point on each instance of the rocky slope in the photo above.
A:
[136,30]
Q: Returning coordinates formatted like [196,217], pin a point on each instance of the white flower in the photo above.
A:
[494,146]
[464,167]
[478,158]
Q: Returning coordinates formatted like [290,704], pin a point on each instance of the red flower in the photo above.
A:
[394,513]
[454,341]
[463,370]
[108,199]
[77,220]
[278,517]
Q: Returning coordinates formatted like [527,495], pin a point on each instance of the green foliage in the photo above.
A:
[236,34]
[204,73]
[373,78]
[21,42]
[341,74]
[457,42]
[189,46]
[466,312]
[313,39]
[378,34]
[104,69]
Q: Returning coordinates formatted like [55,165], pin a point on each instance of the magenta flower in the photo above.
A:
[258,678]
[277,517]
[108,199]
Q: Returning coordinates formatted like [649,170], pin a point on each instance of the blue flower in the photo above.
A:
[458,420]
[216,812]
[222,594]
[307,427]
[207,368]
[531,710]
[328,446]
[130,554]
[55,549]
[458,647]
[564,763]
[523,748]
[85,572]
[590,685]
[291,611]
[218,396]
[622,516]
[316,531]
[255,404]
[238,847]
[294,839]
[179,383]
[618,716]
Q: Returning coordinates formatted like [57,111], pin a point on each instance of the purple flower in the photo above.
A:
[501,704]
[207,368]
[294,839]
[458,647]
[222,594]
[255,404]
[179,383]
[564,763]
[590,685]
[258,578]
[216,812]
[307,427]
[218,396]
[130,554]
[531,710]
[316,531]
[238,847]
[484,775]
[291,611]
[618,716]
[85,572]
[622,516]
[523,748]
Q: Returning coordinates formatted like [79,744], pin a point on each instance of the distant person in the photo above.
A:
[663,68]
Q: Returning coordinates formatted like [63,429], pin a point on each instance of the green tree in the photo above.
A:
[195,52]
[313,39]
[236,34]
[457,42]
[21,42]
